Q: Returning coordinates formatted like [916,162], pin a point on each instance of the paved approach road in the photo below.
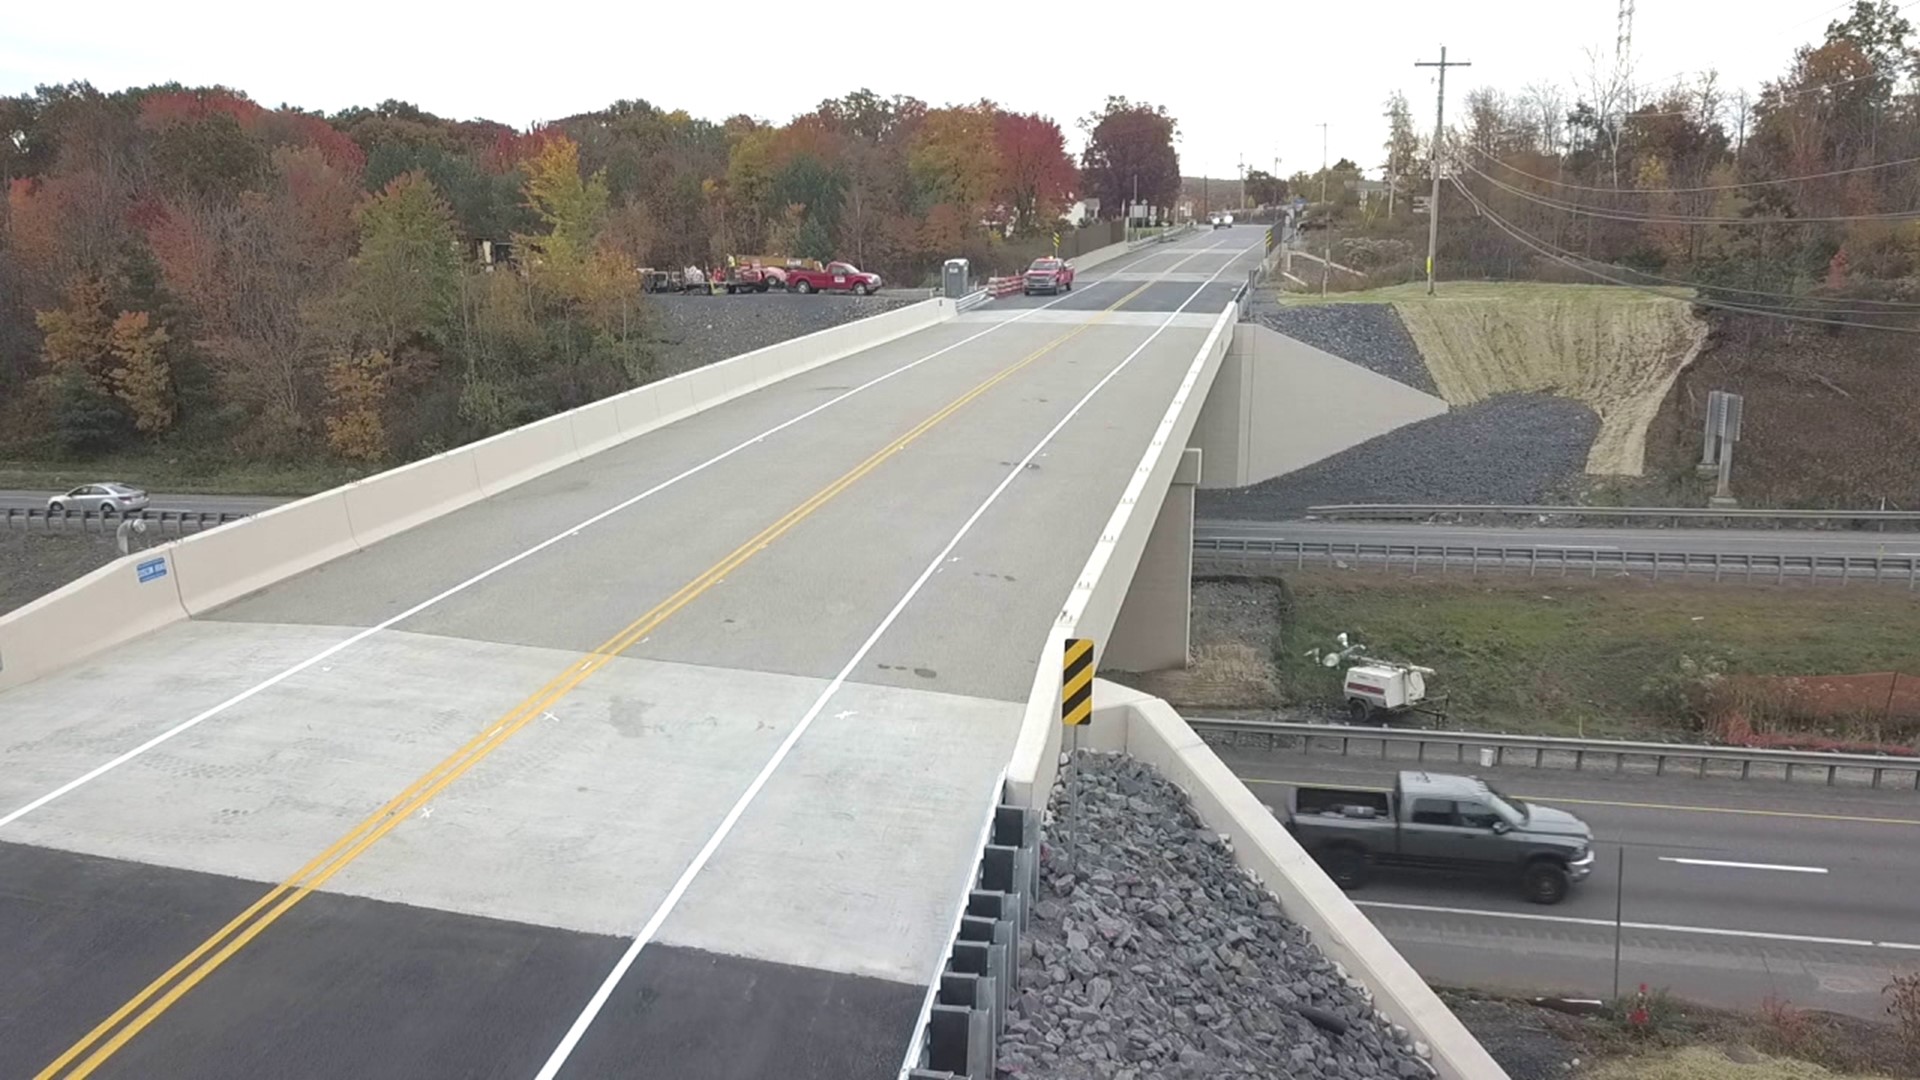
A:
[1724,541]
[1731,891]
[671,763]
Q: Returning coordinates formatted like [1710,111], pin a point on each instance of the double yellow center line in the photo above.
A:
[146,1006]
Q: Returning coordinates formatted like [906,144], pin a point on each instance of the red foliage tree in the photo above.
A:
[1037,179]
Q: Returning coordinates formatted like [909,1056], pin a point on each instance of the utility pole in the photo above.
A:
[1326,250]
[1439,133]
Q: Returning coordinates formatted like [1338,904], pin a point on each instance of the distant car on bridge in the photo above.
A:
[1223,221]
[99,499]
[1049,275]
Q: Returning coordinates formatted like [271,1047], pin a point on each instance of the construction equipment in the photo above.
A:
[1377,690]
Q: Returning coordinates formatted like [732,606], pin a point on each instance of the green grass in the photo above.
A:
[1576,657]
[1416,291]
[180,475]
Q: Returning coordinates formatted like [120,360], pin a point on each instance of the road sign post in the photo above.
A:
[1076,711]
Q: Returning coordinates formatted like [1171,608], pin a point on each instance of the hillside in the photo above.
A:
[1832,417]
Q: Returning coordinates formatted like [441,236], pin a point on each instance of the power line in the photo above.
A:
[1679,219]
[1491,156]
[1544,250]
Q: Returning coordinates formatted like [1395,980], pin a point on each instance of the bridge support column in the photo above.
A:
[1150,633]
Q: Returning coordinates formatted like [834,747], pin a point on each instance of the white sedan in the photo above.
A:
[99,499]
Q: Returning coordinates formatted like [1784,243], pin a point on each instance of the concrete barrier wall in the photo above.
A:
[1099,255]
[514,457]
[206,570]
[398,499]
[1094,602]
[235,559]
[109,606]
[1146,728]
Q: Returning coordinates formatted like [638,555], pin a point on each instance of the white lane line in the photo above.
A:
[335,649]
[1744,865]
[1671,928]
[598,1001]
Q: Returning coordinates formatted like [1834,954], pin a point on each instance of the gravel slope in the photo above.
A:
[35,563]
[1152,954]
[1516,448]
[1370,335]
[695,330]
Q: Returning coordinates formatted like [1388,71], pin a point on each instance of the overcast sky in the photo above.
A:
[1251,90]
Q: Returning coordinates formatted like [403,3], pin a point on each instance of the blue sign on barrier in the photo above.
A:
[152,569]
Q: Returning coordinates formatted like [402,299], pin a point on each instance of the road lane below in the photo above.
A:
[1725,935]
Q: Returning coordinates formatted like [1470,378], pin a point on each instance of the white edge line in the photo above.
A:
[1710,931]
[598,1001]
[1744,865]
[334,649]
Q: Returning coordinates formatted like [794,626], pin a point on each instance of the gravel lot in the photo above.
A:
[1152,954]
[1370,335]
[1516,448]
[695,330]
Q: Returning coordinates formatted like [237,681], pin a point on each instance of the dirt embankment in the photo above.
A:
[1616,350]
[1831,417]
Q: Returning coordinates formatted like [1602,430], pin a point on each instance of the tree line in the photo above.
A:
[185,268]
[1802,199]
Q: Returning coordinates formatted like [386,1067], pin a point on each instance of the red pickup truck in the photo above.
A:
[837,277]
[1049,275]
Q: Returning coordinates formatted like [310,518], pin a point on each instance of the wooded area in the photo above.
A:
[1802,200]
[184,270]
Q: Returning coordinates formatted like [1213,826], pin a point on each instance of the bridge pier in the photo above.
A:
[1151,631]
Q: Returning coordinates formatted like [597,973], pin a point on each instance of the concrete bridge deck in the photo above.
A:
[690,791]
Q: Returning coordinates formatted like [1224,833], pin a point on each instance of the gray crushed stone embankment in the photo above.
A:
[1152,954]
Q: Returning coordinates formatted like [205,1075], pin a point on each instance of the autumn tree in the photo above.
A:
[955,159]
[1037,178]
[357,388]
[141,376]
[405,279]
[1130,149]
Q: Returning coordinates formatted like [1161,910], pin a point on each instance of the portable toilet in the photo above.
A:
[955,277]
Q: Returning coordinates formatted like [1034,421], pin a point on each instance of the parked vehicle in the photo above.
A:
[1435,821]
[99,499]
[754,276]
[1049,275]
[660,281]
[835,277]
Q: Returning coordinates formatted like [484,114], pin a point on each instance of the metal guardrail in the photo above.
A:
[1416,511]
[168,522]
[1550,752]
[1743,567]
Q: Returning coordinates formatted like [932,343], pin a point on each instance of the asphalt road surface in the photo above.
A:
[671,763]
[1701,540]
[1728,891]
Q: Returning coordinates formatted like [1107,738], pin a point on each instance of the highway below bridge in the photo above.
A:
[1707,541]
[1732,891]
[669,763]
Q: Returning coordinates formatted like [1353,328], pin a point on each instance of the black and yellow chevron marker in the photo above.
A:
[1076,686]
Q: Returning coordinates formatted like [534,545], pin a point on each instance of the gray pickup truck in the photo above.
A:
[1434,821]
